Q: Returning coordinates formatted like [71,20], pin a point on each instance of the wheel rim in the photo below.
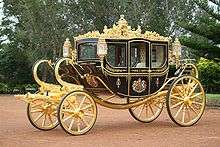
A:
[42,114]
[148,111]
[186,101]
[79,112]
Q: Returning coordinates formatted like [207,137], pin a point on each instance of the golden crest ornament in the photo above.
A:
[139,85]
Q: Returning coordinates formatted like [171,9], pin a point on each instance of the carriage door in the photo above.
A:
[138,68]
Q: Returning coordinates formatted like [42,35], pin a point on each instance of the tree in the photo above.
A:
[35,29]
[205,31]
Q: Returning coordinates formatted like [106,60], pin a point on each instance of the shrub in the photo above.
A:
[209,74]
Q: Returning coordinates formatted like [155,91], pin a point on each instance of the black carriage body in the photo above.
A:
[133,67]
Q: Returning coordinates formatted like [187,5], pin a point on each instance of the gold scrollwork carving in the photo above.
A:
[121,30]
[91,80]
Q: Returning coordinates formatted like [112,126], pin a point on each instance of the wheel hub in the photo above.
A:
[187,101]
[77,113]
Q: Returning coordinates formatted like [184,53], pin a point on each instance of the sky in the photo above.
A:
[1,11]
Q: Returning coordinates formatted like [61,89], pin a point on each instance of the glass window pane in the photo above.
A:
[139,54]
[157,56]
[87,50]
[116,54]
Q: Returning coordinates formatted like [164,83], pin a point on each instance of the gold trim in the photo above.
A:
[121,30]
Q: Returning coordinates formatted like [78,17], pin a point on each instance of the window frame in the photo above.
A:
[165,54]
[147,55]
[126,50]
[78,50]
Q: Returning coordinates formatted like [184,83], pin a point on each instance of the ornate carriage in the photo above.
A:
[121,68]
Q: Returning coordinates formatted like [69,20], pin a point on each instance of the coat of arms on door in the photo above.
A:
[139,85]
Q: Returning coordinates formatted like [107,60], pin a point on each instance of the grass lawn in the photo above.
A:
[213,96]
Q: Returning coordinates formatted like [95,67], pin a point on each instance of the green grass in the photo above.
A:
[213,96]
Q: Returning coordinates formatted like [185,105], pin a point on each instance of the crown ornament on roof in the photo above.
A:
[121,30]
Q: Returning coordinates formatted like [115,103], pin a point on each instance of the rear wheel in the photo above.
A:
[186,101]
[77,113]
[148,111]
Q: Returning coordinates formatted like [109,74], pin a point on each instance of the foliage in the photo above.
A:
[35,29]
[18,88]
[209,72]
[205,30]
[213,96]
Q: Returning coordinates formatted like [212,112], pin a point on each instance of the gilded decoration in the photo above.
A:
[121,30]
[139,85]
[91,81]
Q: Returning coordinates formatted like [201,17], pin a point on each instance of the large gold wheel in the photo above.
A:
[42,115]
[77,113]
[148,111]
[186,101]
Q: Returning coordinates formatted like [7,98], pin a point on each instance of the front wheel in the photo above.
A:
[186,101]
[77,113]
[42,115]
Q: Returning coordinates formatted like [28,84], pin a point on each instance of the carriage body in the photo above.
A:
[120,68]
[131,68]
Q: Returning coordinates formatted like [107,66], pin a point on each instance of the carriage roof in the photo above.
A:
[121,30]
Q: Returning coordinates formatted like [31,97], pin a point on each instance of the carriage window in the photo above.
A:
[116,54]
[87,50]
[139,54]
[157,56]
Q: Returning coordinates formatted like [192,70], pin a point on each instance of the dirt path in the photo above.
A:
[113,128]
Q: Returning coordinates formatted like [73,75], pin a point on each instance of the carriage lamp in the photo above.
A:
[101,48]
[67,48]
[177,50]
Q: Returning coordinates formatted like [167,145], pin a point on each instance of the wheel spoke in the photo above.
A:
[177,113]
[133,109]
[36,110]
[178,91]
[142,108]
[156,105]
[188,86]
[67,110]
[88,114]
[188,112]
[151,109]
[86,107]
[81,103]
[192,108]
[146,106]
[39,116]
[65,119]
[193,89]
[176,97]
[78,125]
[197,103]
[183,85]
[71,124]
[36,105]
[50,119]
[84,121]
[44,120]
[184,112]
[177,104]
[196,95]
[71,104]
